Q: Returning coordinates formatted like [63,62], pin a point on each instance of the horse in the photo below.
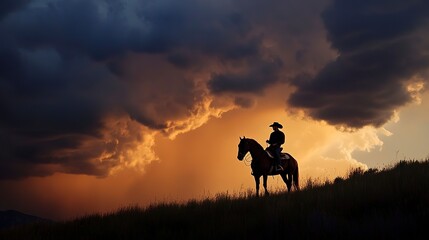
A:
[262,164]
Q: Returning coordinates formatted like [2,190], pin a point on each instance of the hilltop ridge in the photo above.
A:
[388,203]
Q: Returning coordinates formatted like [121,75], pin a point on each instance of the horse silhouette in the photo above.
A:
[262,164]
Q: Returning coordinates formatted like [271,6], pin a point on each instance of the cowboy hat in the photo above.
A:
[276,124]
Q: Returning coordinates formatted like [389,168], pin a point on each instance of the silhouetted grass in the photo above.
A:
[388,203]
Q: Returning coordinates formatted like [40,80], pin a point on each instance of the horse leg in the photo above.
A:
[287,181]
[296,178]
[257,185]
[265,178]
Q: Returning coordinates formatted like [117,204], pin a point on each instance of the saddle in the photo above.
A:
[284,159]
[283,156]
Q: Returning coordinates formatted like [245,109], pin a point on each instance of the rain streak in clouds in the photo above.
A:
[85,85]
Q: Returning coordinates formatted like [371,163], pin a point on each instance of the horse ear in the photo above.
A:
[244,137]
[240,138]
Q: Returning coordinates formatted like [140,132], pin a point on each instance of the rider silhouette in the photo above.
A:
[277,138]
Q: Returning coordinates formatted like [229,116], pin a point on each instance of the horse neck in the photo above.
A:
[256,150]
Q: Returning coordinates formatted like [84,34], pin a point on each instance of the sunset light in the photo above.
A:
[109,104]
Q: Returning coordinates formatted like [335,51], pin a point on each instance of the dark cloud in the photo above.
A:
[8,6]
[244,102]
[381,45]
[49,105]
[103,29]
[83,82]
[71,69]
[180,60]
[253,80]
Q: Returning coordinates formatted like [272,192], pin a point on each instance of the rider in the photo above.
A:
[277,138]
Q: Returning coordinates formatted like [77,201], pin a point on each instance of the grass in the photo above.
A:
[388,203]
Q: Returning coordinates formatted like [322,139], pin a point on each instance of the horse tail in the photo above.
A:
[295,177]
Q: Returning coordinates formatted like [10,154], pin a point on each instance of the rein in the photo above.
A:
[247,159]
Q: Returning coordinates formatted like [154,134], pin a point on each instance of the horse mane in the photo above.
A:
[256,143]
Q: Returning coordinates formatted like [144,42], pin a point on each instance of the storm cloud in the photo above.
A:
[382,49]
[253,80]
[10,6]
[85,84]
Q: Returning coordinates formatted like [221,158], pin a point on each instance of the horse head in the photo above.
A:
[243,148]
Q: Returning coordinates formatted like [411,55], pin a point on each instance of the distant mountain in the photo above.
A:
[11,218]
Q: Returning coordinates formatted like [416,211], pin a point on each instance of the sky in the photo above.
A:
[111,103]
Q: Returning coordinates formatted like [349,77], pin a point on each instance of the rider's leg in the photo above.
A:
[277,152]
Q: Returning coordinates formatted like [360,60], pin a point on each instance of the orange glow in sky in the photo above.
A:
[140,102]
[198,164]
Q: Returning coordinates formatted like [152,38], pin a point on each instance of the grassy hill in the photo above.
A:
[388,203]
